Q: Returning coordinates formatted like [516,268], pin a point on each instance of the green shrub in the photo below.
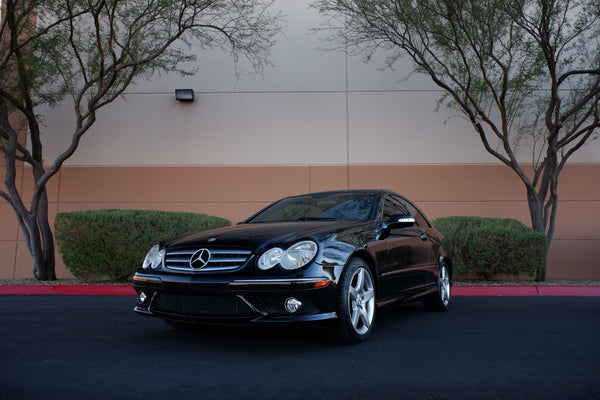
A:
[491,246]
[111,244]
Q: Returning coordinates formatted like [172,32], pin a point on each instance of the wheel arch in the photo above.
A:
[368,259]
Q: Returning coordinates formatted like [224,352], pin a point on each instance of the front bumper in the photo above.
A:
[223,300]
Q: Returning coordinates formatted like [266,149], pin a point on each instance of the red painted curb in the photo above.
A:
[585,291]
[126,290]
[26,289]
[495,291]
[95,290]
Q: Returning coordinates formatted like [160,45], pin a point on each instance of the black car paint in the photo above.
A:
[404,263]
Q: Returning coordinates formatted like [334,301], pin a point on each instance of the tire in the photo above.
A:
[356,304]
[440,300]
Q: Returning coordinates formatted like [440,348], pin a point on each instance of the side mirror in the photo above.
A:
[397,221]
[400,221]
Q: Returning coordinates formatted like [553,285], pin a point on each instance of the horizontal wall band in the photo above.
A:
[237,192]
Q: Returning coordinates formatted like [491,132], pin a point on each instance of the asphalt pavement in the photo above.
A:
[95,347]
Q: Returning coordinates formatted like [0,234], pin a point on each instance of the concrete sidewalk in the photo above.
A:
[127,290]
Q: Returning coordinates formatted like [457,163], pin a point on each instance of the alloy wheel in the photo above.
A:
[361,301]
[444,285]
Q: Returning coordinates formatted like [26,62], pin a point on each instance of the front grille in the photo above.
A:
[221,259]
[206,306]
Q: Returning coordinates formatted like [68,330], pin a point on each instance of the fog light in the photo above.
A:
[142,297]
[292,305]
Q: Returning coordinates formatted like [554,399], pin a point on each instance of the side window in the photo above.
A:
[416,214]
[407,207]
[392,207]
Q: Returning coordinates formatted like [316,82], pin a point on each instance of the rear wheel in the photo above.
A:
[356,305]
[440,300]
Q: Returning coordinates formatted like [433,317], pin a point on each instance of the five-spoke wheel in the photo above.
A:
[440,300]
[356,303]
[361,300]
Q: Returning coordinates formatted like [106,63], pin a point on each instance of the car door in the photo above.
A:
[404,263]
[426,227]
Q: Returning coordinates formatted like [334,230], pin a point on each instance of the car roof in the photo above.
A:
[374,191]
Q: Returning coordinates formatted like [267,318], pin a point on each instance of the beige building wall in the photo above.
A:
[314,121]
[236,192]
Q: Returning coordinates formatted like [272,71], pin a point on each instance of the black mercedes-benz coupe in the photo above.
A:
[332,258]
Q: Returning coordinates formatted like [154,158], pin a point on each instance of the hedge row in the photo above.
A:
[111,244]
[491,246]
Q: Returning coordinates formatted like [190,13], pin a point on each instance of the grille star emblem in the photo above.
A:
[200,259]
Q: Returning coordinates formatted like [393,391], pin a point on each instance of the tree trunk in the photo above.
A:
[42,250]
[47,270]
[536,210]
[542,220]
[41,241]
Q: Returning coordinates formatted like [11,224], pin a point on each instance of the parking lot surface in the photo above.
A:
[95,347]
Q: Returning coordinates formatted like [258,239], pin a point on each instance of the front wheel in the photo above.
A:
[356,304]
[440,300]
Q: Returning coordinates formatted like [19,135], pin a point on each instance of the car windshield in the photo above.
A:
[321,206]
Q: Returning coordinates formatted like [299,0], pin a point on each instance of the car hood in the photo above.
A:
[262,235]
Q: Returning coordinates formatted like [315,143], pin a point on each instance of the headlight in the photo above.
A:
[299,255]
[295,257]
[270,258]
[154,258]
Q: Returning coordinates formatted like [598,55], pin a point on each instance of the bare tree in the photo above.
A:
[91,51]
[525,73]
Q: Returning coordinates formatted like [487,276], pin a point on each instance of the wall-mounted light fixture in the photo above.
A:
[184,94]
